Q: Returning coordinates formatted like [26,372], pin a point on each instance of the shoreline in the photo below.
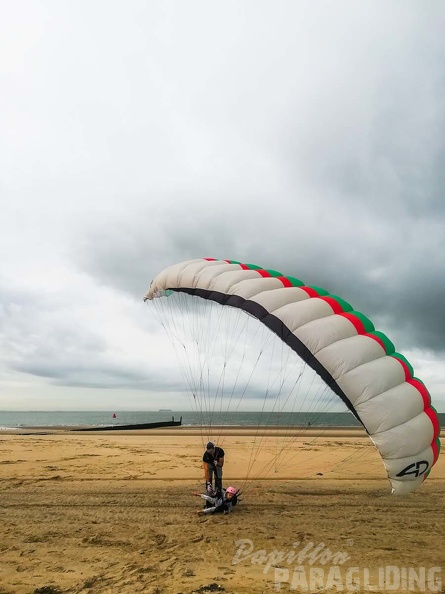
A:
[205,430]
[220,430]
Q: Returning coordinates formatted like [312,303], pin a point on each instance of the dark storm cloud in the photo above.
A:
[389,268]
[355,154]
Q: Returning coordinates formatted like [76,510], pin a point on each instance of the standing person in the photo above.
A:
[213,462]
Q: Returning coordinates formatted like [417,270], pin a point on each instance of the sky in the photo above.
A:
[303,136]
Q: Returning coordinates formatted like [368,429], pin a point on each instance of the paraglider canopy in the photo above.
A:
[357,362]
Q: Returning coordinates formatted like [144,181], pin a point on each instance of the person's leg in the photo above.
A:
[213,481]
[218,478]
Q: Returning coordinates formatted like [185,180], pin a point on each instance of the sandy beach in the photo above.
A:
[112,512]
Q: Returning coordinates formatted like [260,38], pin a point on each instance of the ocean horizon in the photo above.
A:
[26,419]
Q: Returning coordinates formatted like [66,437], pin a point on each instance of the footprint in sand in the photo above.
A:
[160,540]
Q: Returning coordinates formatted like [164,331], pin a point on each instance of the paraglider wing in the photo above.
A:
[359,363]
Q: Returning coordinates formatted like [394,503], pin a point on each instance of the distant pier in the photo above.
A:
[171,423]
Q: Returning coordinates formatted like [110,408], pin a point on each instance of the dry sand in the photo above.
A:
[113,513]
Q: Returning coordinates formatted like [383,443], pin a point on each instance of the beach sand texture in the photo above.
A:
[113,512]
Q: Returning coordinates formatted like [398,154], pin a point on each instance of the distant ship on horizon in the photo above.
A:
[165,410]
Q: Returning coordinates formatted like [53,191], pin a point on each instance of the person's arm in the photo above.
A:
[211,500]
[204,496]
[219,457]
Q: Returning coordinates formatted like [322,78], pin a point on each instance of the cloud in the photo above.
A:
[306,138]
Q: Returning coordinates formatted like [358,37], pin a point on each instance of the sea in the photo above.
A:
[25,419]
[10,420]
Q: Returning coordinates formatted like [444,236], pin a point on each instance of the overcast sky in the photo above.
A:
[303,136]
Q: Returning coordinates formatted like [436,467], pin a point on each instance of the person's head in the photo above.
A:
[230,492]
[210,447]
